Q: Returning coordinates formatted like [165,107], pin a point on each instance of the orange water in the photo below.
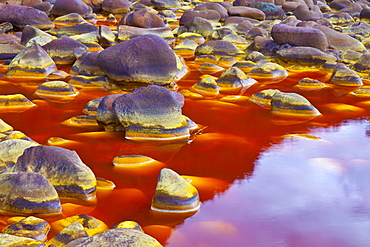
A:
[258,187]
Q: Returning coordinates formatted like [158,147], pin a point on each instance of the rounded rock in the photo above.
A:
[56,91]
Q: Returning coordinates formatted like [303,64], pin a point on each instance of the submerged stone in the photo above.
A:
[174,194]
[33,63]
[363,63]
[56,91]
[73,180]
[28,193]
[69,233]
[146,59]
[30,227]
[152,112]
[132,160]
[117,237]
[343,76]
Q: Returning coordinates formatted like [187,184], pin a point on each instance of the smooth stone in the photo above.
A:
[15,103]
[217,48]
[78,29]
[271,11]
[20,16]
[69,233]
[63,49]
[199,39]
[210,68]
[72,179]
[197,25]
[129,32]
[207,87]
[234,79]
[307,56]
[8,240]
[132,160]
[210,15]
[263,98]
[106,36]
[63,7]
[82,121]
[116,6]
[87,64]
[357,28]
[341,41]
[30,227]
[340,18]
[268,73]
[142,18]
[18,135]
[28,193]
[56,91]
[152,112]
[166,4]
[117,237]
[344,76]
[174,194]
[133,61]
[307,13]
[32,63]
[102,183]
[292,104]
[213,6]
[299,36]
[363,63]
[245,66]
[70,19]
[309,84]
[243,11]
[128,224]
[91,224]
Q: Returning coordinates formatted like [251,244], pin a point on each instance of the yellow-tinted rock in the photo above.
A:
[92,106]
[8,240]
[30,227]
[132,160]
[82,121]
[89,223]
[69,233]
[361,93]
[207,87]
[73,180]
[234,79]
[28,193]
[292,104]
[33,63]
[199,39]
[56,91]
[128,225]
[205,59]
[343,76]
[15,103]
[186,48]
[118,237]
[174,194]
[69,20]
[264,97]
[102,183]
[209,68]
[310,84]
[4,127]
[10,150]
[268,73]
[18,135]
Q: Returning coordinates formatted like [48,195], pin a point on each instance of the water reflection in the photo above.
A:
[304,192]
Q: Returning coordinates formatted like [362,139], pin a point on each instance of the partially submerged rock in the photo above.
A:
[33,63]
[73,180]
[234,79]
[69,233]
[28,193]
[56,91]
[30,227]
[152,112]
